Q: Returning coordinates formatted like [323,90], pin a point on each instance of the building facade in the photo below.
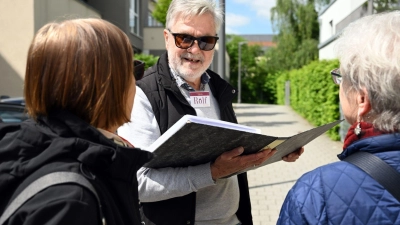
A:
[21,19]
[266,41]
[336,16]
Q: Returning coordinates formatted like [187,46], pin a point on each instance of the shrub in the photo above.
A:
[312,93]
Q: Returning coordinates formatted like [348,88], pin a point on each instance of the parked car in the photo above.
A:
[12,110]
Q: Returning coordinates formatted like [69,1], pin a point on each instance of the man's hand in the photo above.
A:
[292,157]
[232,161]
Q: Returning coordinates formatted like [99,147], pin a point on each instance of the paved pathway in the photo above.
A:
[270,184]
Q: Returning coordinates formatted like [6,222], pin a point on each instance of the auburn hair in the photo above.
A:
[83,66]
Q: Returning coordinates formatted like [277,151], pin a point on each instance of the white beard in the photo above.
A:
[176,64]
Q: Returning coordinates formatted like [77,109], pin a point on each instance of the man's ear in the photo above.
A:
[364,105]
[166,38]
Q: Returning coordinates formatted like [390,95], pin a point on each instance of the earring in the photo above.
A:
[357,130]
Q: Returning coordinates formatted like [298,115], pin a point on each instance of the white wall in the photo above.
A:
[328,20]
[58,10]
[154,38]
[17,28]
[339,10]
[327,52]
[19,20]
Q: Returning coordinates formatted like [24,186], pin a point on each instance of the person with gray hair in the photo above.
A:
[369,78]
[200,194]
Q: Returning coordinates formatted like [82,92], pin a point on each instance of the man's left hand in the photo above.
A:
[292,157]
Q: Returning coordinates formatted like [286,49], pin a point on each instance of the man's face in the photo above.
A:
[190,63]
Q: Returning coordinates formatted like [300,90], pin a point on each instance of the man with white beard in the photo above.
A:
[200,194]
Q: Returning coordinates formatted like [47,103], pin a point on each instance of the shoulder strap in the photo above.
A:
[384,174]
[45,182]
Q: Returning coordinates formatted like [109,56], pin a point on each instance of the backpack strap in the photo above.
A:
[384,174]
[45,182]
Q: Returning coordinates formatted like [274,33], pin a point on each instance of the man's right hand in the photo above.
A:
[233,161]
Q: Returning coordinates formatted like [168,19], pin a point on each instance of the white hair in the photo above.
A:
[189,8]
[369,55]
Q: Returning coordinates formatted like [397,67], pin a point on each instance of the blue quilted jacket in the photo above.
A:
[341,193]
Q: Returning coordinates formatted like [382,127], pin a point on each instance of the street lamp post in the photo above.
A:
[239,72]
[221,44]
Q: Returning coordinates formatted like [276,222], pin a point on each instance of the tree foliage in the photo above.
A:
[296,46]
[148,60]
[160,11]
[254,74]
[383,5]
[297,40]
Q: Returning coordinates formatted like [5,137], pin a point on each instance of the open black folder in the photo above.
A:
[196,140]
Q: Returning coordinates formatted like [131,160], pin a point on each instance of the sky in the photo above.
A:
[248,16]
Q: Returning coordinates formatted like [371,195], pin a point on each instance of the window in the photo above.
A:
[134,17]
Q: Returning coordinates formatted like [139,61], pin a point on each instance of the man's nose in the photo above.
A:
[194,48]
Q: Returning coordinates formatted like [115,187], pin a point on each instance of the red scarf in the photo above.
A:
[367,130]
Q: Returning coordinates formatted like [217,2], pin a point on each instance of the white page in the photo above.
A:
[201,120]
[220,123]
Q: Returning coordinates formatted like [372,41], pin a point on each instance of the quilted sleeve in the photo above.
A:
[304,203]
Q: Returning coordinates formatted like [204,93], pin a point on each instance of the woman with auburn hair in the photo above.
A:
[79,88]
[346,192]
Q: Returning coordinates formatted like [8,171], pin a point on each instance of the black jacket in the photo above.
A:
[63,142]
[169,105]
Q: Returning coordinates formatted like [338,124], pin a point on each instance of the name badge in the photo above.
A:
[199,99]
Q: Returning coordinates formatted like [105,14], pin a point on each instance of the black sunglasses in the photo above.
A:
[336,77]
[138,69]
[185,41]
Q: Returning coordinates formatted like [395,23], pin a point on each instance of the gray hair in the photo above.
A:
[369,55]
[189,8]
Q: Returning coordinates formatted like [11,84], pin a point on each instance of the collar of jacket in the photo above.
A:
[222,90]
[374,144]
[118,158]
[62,136]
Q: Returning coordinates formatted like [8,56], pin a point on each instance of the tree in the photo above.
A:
[297,40]
[160,11]
[254,74]
[297,45]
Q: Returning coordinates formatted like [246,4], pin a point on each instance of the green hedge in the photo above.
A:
[312,93]
[149,60]
[281,79]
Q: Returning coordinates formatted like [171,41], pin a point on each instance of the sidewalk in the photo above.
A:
[270,184]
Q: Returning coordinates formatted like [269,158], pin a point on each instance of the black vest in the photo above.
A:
[169,105]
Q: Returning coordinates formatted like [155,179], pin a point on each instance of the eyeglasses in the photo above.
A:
[336,77]
[185,41]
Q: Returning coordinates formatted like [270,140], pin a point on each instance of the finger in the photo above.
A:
[265,158]
[294,155]
[299,151]
[226,163]
[257,158]
[232,154]
[251,158]
[291,157]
